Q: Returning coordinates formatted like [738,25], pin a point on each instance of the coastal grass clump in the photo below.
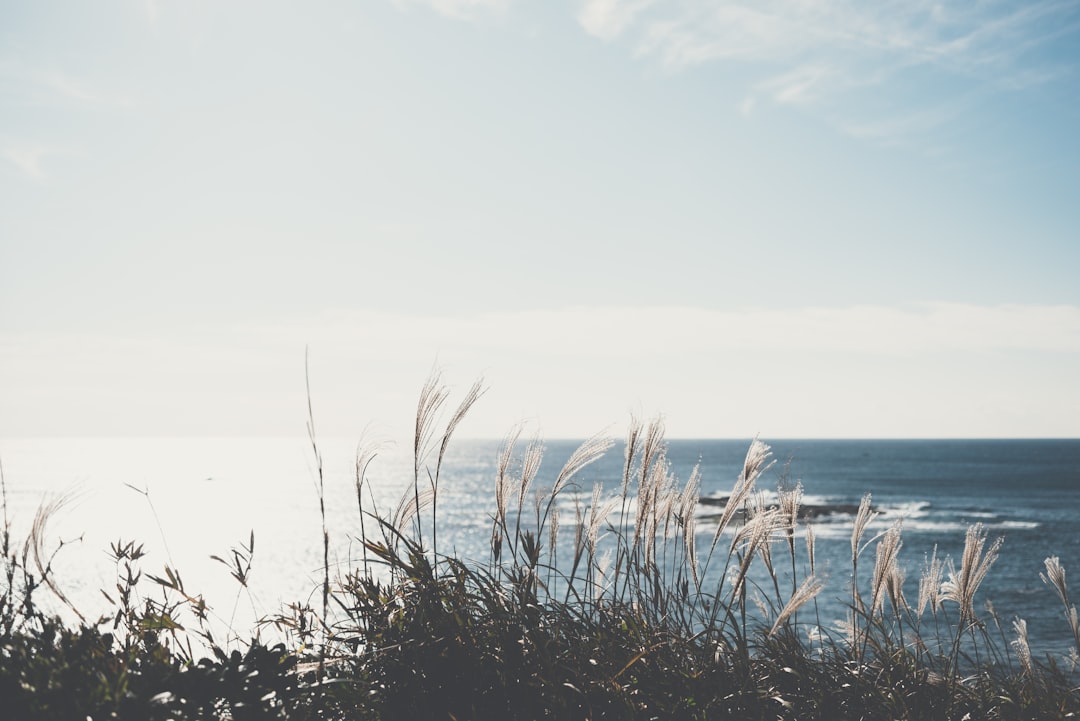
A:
[591,603]
[137,661]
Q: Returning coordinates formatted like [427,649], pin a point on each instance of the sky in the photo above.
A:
[785,218]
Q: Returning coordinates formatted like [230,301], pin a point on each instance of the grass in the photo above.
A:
[605,608]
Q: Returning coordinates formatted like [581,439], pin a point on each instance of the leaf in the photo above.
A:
[159,622]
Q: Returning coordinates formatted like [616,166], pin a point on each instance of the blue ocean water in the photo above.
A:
[203,496]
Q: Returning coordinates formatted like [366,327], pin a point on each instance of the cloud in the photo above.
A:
[606,19]
[799,86]
[724,32]
[27,156]
[951,33]
[49,87]
[461,9]
[815,54]
[974,41]
[899,128]
[934,369]
[79,91]
[602,332]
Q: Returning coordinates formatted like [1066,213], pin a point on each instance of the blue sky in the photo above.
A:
[795,218]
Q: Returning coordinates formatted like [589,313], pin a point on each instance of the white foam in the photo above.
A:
[912,509]
[928,526]
[1015,524]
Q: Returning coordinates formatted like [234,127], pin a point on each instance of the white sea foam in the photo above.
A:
[911,509]
[1015,524]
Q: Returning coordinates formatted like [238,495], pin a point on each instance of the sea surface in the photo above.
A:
[185,499]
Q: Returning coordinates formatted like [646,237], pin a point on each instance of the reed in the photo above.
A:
[634,562]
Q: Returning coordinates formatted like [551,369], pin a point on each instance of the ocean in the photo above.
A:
[185,499]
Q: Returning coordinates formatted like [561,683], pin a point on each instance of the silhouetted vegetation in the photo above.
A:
[589,606]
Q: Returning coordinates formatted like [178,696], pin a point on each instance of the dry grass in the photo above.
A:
[590,606]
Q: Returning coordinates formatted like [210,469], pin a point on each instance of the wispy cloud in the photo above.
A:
[461,9]
[976,40]
[27,156]
[606,19]
[899,128]
[817,52]
[28,86]
[729,31]
[43,86]
[80,91]
[961,35]
[799,86]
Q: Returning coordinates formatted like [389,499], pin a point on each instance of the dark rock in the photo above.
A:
[806,510]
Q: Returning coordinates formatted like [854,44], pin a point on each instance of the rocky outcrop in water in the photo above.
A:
[807,510]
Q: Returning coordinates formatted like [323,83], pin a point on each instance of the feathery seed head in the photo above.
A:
[432,397]
[930,582]
[756,461]
[894,587]
[809,588]
[688,511]
[588,452]
[1055,576]
[974,565]
[653,449]
[885,566]
[848,628]
[753,466]
[691,492]
[534,454]
[790,500]
[1020,644]
[632,437]
[412,503]
[470,399]
[598,513]
[503,481]
[863,518]
[755,535]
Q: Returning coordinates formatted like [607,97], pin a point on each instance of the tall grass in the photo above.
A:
[592,603]
[602,604]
